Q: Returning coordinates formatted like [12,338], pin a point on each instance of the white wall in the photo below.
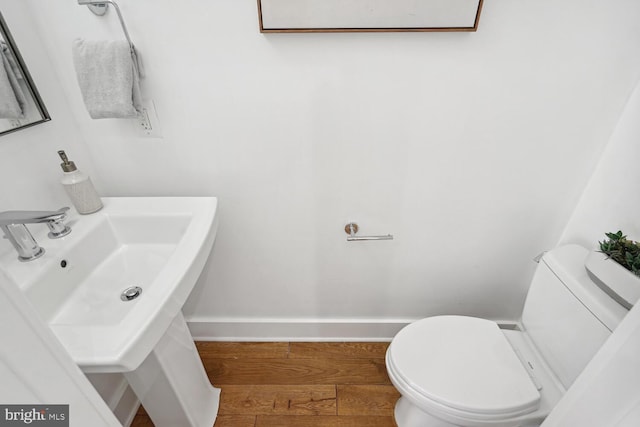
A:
[29,162]
[611,201]
[472,149]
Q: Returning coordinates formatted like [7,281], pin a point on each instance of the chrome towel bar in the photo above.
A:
[352,228]
[99,7]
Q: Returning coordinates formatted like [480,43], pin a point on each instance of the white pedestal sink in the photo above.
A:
[172,384]
[158,244]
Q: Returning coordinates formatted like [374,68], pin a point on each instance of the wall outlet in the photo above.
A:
[15,123]
[147,121]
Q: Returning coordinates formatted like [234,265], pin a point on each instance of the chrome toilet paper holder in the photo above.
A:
[352,228]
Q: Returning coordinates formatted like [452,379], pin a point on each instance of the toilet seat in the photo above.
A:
[461,367]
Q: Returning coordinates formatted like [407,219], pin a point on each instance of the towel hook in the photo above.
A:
[99,7]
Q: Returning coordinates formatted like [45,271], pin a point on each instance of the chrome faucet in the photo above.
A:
[13,225]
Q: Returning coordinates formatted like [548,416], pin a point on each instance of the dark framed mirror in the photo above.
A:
[20,102]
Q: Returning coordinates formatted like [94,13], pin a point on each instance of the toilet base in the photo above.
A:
[407,414]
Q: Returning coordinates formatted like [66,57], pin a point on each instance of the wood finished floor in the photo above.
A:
[298,384]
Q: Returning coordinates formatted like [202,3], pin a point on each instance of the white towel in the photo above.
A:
[12,60]
[12,99]
[108,81]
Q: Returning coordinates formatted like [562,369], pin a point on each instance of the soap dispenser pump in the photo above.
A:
[79,187]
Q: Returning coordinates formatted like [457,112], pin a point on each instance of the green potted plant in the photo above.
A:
[623,251]
[616,268]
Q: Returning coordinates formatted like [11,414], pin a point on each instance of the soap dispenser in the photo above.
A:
[79,187]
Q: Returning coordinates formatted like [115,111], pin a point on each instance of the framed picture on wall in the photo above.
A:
[299,16]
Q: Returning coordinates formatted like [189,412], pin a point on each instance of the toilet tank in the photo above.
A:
[566,315]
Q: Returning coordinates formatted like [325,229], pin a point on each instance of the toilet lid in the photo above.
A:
[465,363]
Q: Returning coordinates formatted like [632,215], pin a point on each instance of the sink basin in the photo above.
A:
[158,244]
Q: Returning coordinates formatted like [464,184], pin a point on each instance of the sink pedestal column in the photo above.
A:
[172,383]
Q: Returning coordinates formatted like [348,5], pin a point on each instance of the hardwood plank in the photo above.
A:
[338,350]
[377,400]
[141,420]
[278,400]
[296,371]
[323,421]
[235,421]
[238,350]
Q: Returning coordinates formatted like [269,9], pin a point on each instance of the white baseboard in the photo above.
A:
[267,329]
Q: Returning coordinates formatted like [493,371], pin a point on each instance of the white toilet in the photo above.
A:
[466,371]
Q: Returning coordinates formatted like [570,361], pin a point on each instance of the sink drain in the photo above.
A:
[131,293]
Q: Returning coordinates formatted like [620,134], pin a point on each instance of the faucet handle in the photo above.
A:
[57,227]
